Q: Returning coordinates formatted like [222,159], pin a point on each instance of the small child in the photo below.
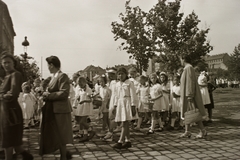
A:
[105,94]
[143,92]
[124,107]
[175,106]
[166,97]
[84,108]
[155,94]
[28,101]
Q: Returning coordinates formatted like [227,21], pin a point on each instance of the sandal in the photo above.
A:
[150,131]
[202,134]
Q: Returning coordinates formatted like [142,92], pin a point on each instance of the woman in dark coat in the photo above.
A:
[56,123]
[210,106]
[11,123]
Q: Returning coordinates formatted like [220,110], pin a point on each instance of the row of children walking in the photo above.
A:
[125,99]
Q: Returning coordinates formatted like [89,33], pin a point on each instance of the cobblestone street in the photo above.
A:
[222,142]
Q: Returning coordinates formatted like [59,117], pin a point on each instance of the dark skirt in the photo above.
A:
[211,105]
[55,130]
[11,124]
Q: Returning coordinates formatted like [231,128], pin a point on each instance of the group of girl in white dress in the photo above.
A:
[127,100]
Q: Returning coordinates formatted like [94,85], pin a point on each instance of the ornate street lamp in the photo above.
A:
[25,44]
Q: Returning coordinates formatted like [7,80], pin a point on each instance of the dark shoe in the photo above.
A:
[25,127]
[209,121]
[170,128]
[91,135]
[160,129]
[84,138]
[180,128]
[185,135]
[127,145]
[26,155]
[68,155]
[118,146]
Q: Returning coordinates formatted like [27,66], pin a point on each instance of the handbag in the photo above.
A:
[192,115]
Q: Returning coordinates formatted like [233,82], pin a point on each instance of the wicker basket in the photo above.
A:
[192,115]
[97,101]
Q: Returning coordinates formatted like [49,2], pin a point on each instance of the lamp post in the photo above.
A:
[25,44]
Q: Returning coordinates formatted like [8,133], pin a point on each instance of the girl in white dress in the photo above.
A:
[28,102]
[156,97]
[175,92]
[124,107]
[84,108]
[135,79]
[202,82]
[166,97]
[111,74]
[105,94]
[143,92]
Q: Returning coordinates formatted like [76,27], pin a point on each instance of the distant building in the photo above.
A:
[7,32]
[217,61]
[91,71]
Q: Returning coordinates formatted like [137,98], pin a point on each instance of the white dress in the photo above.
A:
[124,99]
[143,92]
[85,109]
[176,101]
[112,87]
[105,94]
[28,103]
[155,91]
[204,90]
[166,97]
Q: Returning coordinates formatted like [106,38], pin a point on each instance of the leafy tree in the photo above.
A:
[29,67]
[162,30]
[233,63]
[175,36]
[135,34]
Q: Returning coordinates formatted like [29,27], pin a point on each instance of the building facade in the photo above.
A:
[7,32]
[217,61]
[91,71]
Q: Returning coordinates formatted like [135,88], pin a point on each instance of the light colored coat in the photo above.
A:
[190,88]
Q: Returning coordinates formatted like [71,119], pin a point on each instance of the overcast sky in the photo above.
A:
[79,31]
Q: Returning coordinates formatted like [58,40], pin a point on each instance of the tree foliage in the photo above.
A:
[162,31]
[233,63]
[135,34]
[29,66]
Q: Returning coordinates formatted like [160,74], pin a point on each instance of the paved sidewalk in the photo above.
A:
[222,143]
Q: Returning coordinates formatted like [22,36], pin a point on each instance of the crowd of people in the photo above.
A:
[124,100]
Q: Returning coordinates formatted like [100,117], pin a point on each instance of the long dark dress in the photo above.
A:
[49,139]
[56,127]
[11,123]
